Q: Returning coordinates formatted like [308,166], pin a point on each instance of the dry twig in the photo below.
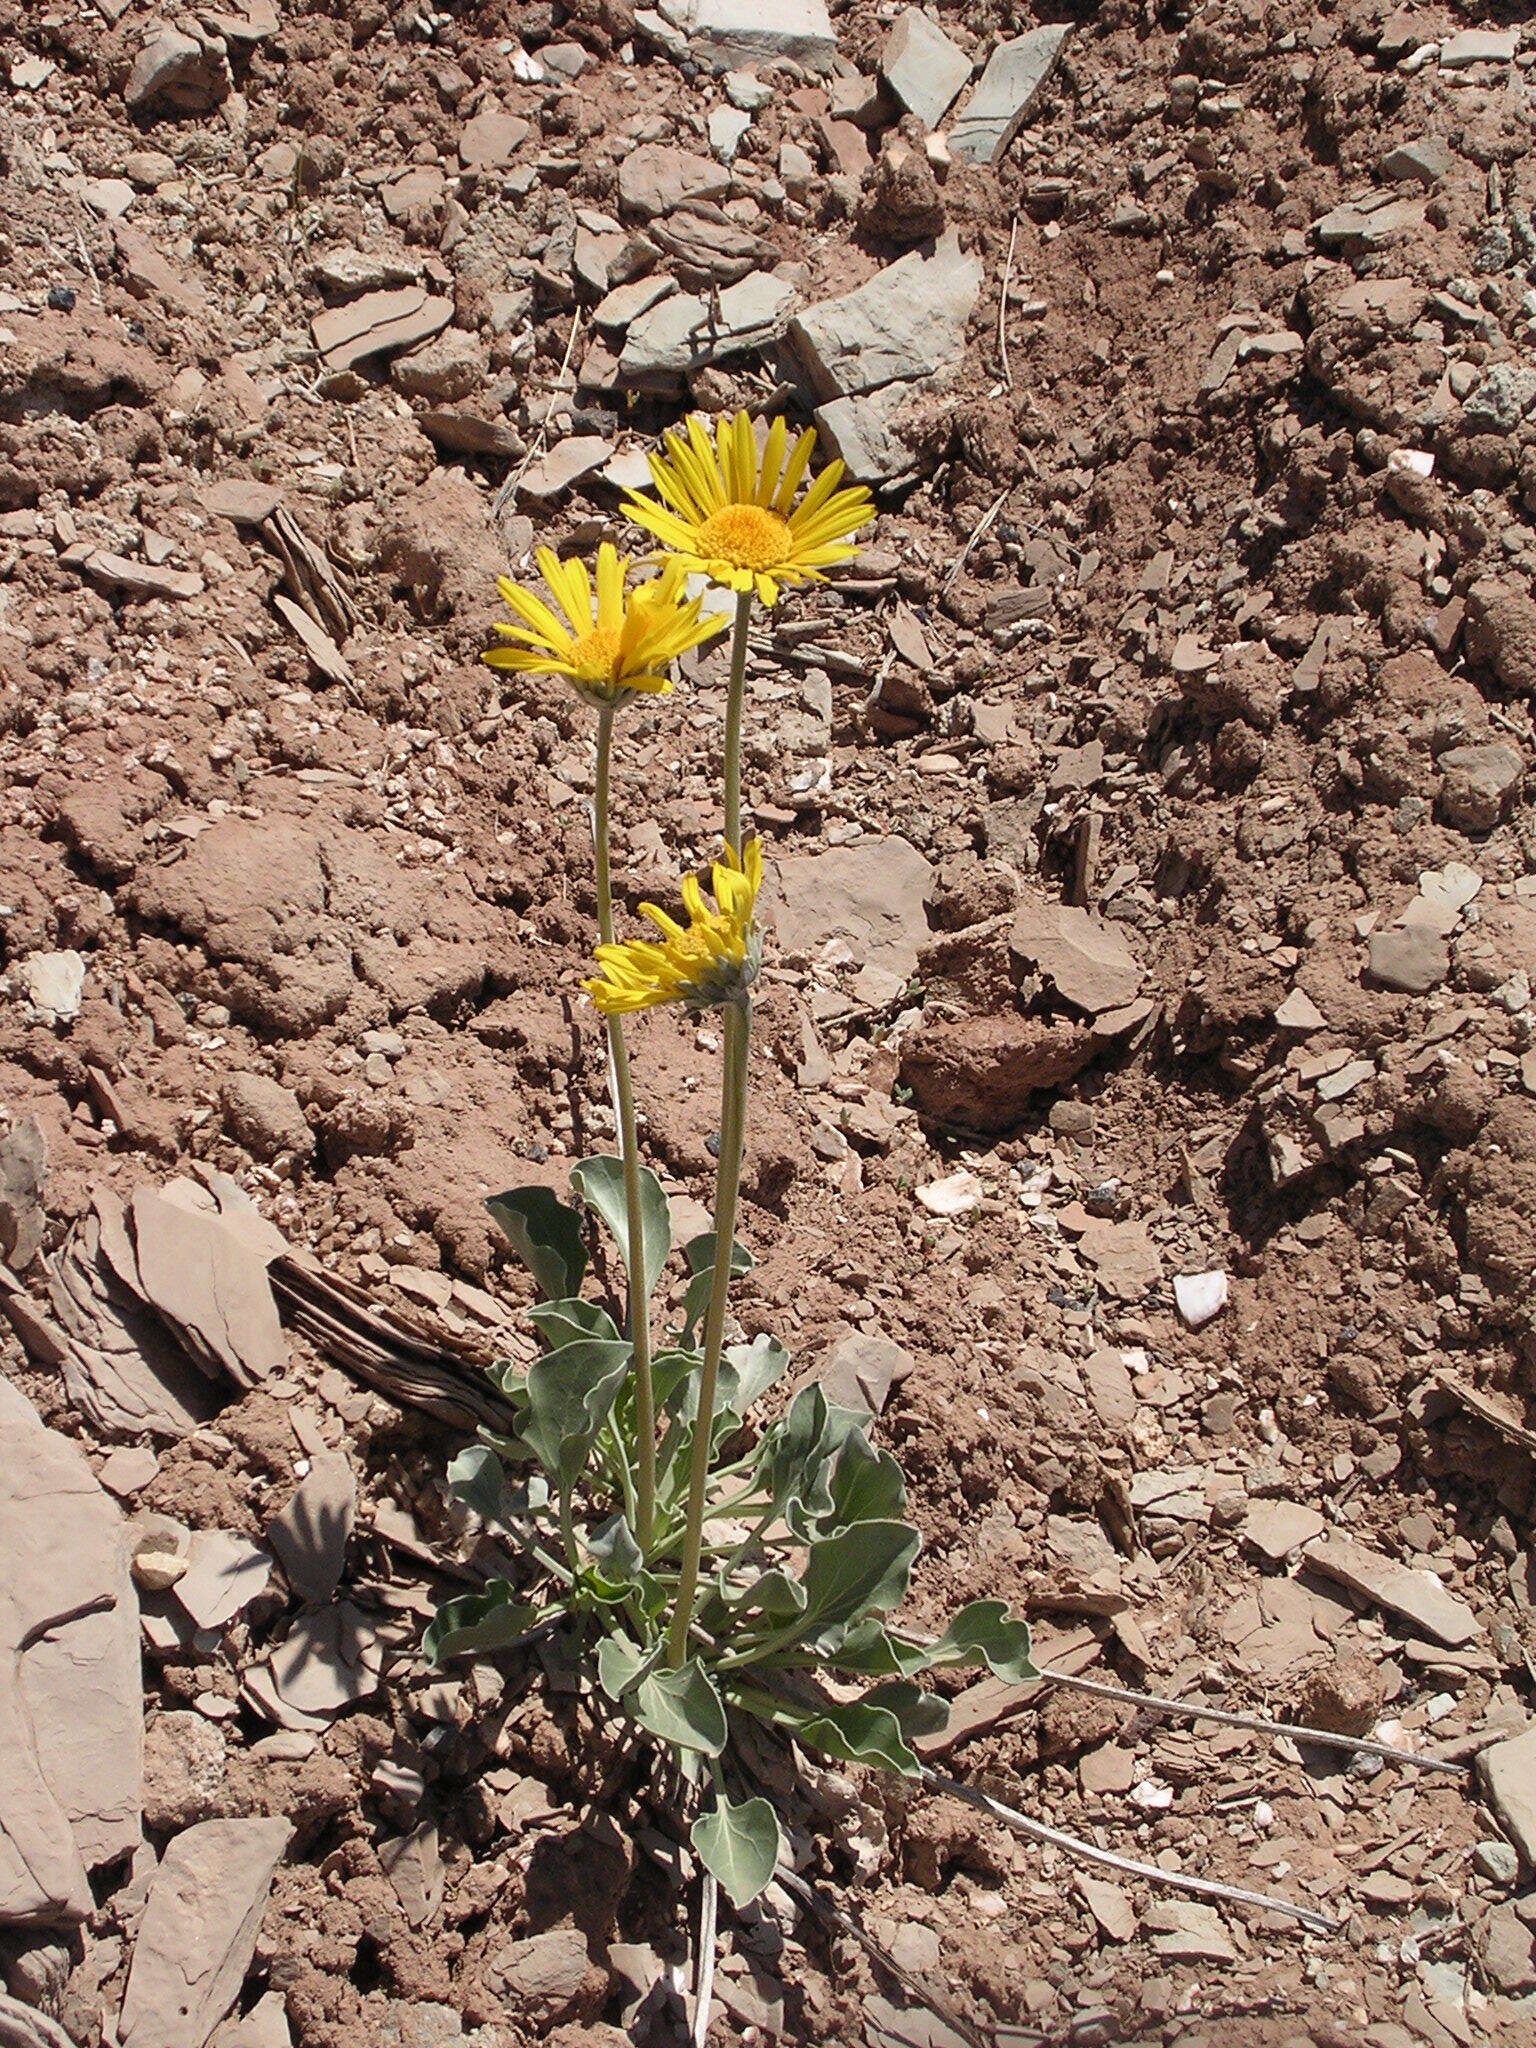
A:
[1089,1852]
[512,482]
[823,1908]
[976,533]
[704,1981]
[1002,305]
[1194,1710]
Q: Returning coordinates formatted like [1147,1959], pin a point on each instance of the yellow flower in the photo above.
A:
[711,961]
[621,646]
[722,515]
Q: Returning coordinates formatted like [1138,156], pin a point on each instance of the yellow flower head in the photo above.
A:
[722,515]
[608,651]
[711,961]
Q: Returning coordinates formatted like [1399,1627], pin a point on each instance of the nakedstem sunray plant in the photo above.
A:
[711,1571]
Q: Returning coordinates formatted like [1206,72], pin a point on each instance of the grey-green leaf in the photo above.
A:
[700,1253]
[681,1707]
[570,1394]
[568,1321]
[867,1485]
[859,1733]
[619,1663]
[985,1633]
[739,1845]
[476,1478]
[546,1235]
[749,1370]
[860,1570]
[492,1620]
[613,1549]
[600,1183]
[919,1712]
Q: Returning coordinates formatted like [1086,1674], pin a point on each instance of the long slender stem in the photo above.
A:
[733,704]
[1175,1880]
[733,1110]
[629,1147]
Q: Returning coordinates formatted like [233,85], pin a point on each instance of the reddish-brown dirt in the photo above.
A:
[1205,606]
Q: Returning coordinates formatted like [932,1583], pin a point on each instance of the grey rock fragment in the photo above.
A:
[727,33]
[907,322]
[199,1931]
[1017,74]
[922,67]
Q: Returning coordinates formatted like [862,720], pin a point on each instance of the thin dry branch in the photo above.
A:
[1193,1710]
[512,482]
[830,1914]
[1089,1852]
[1002,305]
[704,1981]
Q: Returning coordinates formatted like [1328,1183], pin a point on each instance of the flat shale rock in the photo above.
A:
[907,322]
[865,433]
[728,33]
[199,1931]
[178,74]
[1017,74]
[310,1535]
[1087,959]
[489,140]
[1508,1774]
[869,895]
[210,1285]
[656,177]
[379,323]
[922,67]
[686,331]
[1411,959]
[861,1369]
[71,1708]
[1416,1597]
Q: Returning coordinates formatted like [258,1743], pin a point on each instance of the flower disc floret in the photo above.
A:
[709,962]
[613,641]
[723,514]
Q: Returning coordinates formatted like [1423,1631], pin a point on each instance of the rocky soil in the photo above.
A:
[1146,1083]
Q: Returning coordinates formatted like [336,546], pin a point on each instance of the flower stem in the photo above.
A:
[733,1112]
[629,1147]
[733,704]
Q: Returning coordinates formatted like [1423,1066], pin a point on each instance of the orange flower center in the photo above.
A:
[595,654]
[746,536]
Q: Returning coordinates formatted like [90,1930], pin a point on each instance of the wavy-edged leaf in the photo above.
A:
[858,1732]
[570,1395]
[739,1845]
[681,1707]
[867,1485]
[619,1663]
[857,1571]
[569,1320]
[773,1597]
[476,1478]
[793,1456]
[747,1371]
[492,1620]
[986,1633]
[613,1549]
[919,1712]
[546,1235]
[700,1253]
[867,1650]
[600,1184]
